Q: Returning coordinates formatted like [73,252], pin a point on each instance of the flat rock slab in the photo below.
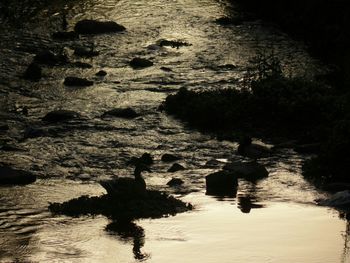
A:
[88,26]
[155,205]
[10,176]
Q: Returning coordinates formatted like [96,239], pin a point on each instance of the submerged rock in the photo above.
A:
[60,115]
[63,35]
[167,157]
[154,205]
[248,170]
[85,52]
[252,150]
[10,176]
[77,82]
[101,73]
[33,72]
[47,57]
[139,63]
[221,183]
[127,113]
[172,43]
[175,182]
[175,168]
[88,26]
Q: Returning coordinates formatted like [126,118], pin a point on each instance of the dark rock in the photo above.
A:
[10,148]
[85,52]
[60,115]
[63,35]
[33,72]
[127,113]
[49,58]
[4,127]
[138,63]
[167,157]
[175,182]
[172,43]
[10,176]
[252,150]
[221,183]
[248,170]
[32,132]
[166,69]
[77,82]
[154,205]
[88,26]
[176,167]
[101,73]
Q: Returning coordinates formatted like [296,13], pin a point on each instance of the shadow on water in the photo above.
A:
[127,231]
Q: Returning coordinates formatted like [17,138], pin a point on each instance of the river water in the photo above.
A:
[274,220]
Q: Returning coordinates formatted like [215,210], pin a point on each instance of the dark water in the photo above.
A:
[283,225]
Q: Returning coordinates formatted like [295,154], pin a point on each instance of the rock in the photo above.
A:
[170,157]
[172,43]
[63,35]
[166,69]
[32,132]
[175,182]
[10,176]
[88,26]
[4,127]
[176,167]
[127,113]
[213,163]
[101,73]
[138,63]
[252,150]
[77,82]
[33,72]
[60,115]
[248,170]
[221,183]
[85,52]
[49,58]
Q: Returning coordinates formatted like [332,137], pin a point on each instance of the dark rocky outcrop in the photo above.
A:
[175,168]
[175,182]
[77,82]
[154,205]
[167,157]
[88,26]
[33,72]
[126,113]
[60,115]
[222,183]
[139,63]
[63,35]
[248,170]
[10,176]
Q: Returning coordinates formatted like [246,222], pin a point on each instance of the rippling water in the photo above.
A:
[274,220]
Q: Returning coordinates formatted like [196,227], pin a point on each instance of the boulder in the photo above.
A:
[63,35]
[33,72]
[101,73]
[126,113]
[222,183]
[247,170]
[10,176]
[176,167]
[89,26]
[167,157]
[175,182]
[77,82]
[139,63]
[60,115]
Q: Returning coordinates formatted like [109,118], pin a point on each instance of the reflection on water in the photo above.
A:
[71,158]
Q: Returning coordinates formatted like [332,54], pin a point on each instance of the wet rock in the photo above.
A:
[33,72]
[248,170]
[4,127]
[63,35]
[79,64]
[139,63]
[172,43]
[60,115]
[166,69]
[32,132]
[10,176]
[175,182]
[175,168]
[252,150]
[77,82]
[221,183]
[10,148]
[154,204]
[213,163]
[126,113]
[88,26]
[101,73]
[85,52]
[49,58]
[167,157]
